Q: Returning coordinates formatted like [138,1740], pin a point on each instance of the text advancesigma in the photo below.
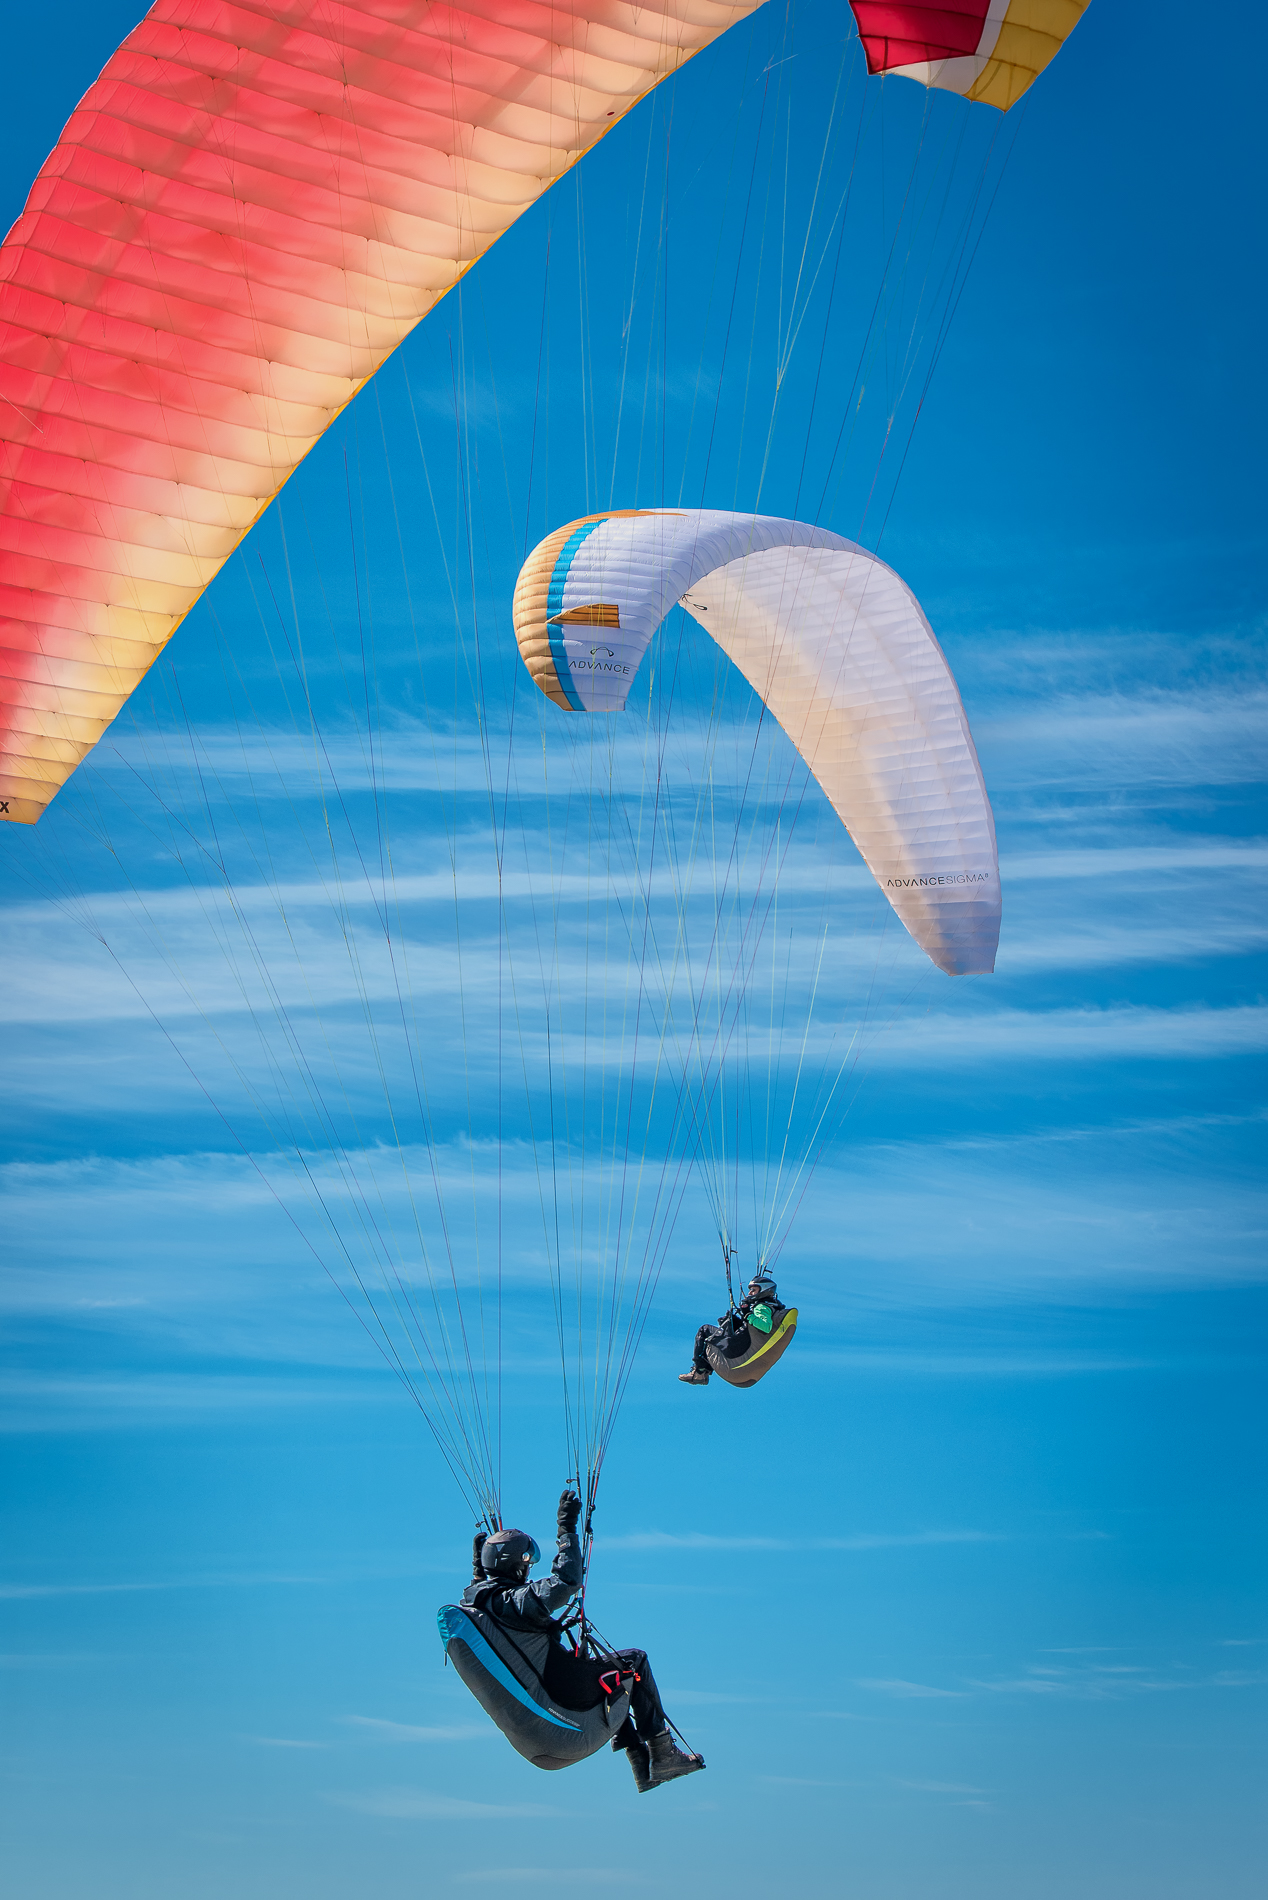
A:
[953,877]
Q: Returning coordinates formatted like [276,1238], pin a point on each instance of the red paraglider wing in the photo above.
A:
[988,50]
[904,35]
[247,212]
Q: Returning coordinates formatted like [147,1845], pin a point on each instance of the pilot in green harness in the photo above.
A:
[754,1310]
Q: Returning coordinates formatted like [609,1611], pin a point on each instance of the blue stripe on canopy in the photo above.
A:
[555,605]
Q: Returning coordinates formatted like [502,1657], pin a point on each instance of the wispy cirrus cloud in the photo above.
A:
[33,1403]
[213,1580]
[92,1243]
[711,1698]
[1092,1681]
[1142,863]
[1140,737]
[20,1592]
[554,1876]
[1158,911]
[1106,1682]
[805,1781]
[55,1659]
[862,1540]
[376,1728]
[1075,1035]
[906,1691]
[413,1804]
[942,1787]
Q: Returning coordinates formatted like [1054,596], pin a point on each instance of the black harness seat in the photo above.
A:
[553,1707]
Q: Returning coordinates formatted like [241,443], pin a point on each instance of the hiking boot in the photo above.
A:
[636,1756]
[694,1377]
[668,1760]
[626,1742]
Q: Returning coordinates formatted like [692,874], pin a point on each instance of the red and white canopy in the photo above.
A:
[988,50]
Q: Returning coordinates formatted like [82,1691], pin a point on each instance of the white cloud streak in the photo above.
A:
[409,1804]
[1143,738]
[1112,1682]
[192,1248]
[907,1691]
[213,1581]
[375,1728]
[862,1540]
[1090,1682]
[1069,1035]
[513,1877]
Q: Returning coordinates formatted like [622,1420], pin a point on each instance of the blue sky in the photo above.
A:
[967,1599]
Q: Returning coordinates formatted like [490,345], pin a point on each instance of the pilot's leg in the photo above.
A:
[645,1718]
[645,1702]
[699,1374]
[666,1761]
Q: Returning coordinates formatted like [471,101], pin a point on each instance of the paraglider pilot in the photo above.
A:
[761,1293]
[499,1586]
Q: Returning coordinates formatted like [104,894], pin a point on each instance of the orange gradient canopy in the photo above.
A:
[246,213]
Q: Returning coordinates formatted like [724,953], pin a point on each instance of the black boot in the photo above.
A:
[636,1756]
[626,1742]
[668,1760]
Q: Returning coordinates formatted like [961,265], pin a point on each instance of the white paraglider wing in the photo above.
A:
[838,649]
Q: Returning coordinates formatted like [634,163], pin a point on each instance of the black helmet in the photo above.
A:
[504,1553]
[761,1286]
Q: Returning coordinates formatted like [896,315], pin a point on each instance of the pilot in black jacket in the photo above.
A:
[500,1587]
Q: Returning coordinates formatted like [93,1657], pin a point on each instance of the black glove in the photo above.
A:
[477,1568]
[569,1511]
